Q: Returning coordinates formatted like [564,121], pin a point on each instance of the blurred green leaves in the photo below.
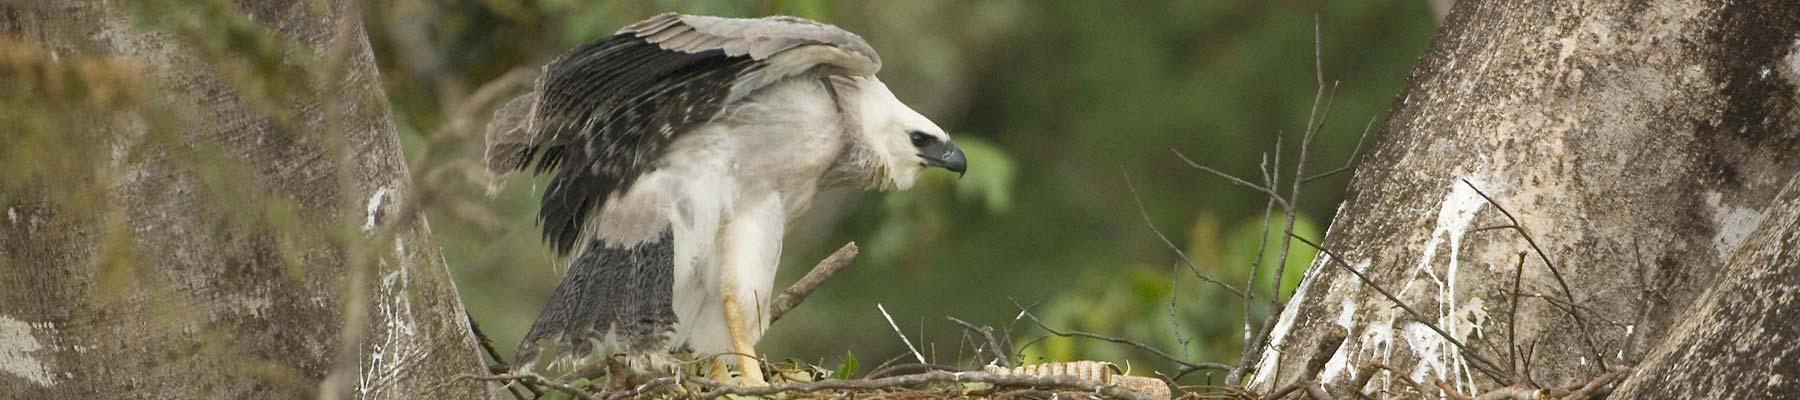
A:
[918,217]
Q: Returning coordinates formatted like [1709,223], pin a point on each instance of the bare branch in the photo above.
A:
[1316,391]
[1599,382]
[1348,162]
[987,333]
[1229,177]
[1055,382]
[1512,321]
[531,378]
[1186,366]
[1586,335]
[1177,249]
[796,293]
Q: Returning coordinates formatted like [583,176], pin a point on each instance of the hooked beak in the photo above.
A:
[945,155]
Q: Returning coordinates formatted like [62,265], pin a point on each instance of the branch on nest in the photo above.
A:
[1186,366]
[716,389]
[535,379]
[793,295]
[1048,382]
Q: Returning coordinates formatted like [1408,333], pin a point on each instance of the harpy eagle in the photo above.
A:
[681,147]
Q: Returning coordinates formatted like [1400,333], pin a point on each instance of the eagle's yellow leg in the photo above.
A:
[739,326]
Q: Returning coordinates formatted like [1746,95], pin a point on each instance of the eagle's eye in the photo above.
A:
[920,139]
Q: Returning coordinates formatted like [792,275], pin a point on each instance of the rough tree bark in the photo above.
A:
[176,281]
[1641,144]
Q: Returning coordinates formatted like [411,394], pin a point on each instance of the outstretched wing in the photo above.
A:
[604,113]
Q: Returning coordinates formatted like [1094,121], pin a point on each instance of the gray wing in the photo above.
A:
[605,113]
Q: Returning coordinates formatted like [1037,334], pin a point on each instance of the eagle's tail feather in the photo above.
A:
[613,300]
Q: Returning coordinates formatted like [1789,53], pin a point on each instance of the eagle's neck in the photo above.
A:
[858,164]
[858,167]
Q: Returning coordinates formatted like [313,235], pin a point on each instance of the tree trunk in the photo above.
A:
[202,241]
[1640,145]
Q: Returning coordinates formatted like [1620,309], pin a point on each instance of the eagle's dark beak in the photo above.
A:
[945,155]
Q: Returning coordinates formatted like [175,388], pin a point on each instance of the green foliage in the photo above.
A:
[846,369]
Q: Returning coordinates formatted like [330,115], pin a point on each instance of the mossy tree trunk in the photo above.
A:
[1641,145]
[185,190]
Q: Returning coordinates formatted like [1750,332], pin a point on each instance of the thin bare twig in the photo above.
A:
[1513,393]
[1599,382]
[1348,162]
[1186,366]
[1487,367]
[1233,178]
[1449,389]
[987,333]
[1177,249]
[1054,382]
[535,379]
[796,293]
[1586,334]
[1512,321]
[898,370]
[909,345]
[1316,391]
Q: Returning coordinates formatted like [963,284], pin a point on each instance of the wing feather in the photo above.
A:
[605,113]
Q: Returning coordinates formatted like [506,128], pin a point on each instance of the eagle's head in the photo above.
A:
[898,143]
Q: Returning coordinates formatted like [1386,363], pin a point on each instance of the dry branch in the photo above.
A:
[796,293]
[1186,366]
[1586,335]
[1052,382]
[993,345]
[713,389]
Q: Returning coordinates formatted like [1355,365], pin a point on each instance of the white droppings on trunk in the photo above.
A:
[374,211]
[17,343]
[12,215]
[396,348]
[1279,333]
[1734,224]
[1456,216]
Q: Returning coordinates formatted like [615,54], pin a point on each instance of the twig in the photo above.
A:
[1586,334]
[1315,390]
[1186,366]
[1486,366]
[987,333]
[796,293]
[532,378]
[1284,390]
[909,345]
[1512,321]
[1054,381]
[1598,382]
[1348,162]
[1449,389]
[1177,249]
[1234,179]
[1255,345]
[886,371]
[874,372]
[1513,393]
